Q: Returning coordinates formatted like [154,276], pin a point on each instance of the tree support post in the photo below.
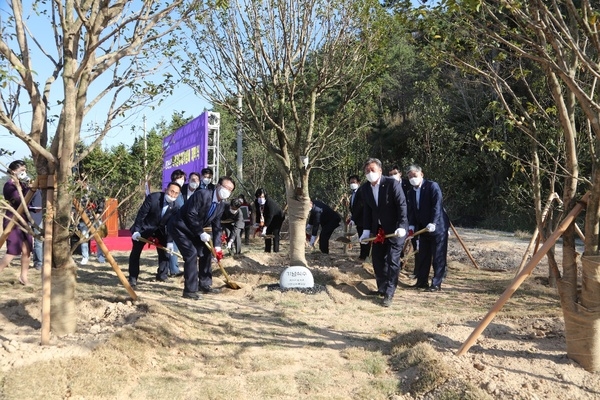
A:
[580,206]
[93,231]
[463,245]
[46,182]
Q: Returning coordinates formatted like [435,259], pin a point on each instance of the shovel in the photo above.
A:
[158,246]
[346,240]
[228,282]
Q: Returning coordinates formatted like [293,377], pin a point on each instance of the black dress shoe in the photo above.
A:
[420,286]
[205,289]
[132,281]
[437,288]
[374,293]
[161,279]
[180,273]
[192,295]
[387,301]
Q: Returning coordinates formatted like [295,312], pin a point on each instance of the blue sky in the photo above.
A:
[124,130]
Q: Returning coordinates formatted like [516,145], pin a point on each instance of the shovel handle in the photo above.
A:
[214,254]
[158,246]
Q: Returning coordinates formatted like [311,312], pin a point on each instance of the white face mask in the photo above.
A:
[180,181]
[353,186]
[223,193]
[396,177]
[206,181]
[169,199]
[262,201]
[194,185]
[416,181]
[373,176]
[22,176]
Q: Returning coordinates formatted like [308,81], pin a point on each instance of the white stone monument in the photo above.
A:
[296,277]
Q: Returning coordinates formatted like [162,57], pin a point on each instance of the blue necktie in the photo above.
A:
[213,207]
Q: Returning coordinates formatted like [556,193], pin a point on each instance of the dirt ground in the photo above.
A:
[258,343]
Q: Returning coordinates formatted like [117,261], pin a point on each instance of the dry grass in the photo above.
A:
[261,344]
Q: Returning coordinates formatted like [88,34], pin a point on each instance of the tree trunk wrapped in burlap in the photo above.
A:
[582,326]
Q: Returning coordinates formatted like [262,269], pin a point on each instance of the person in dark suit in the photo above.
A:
[356,210]
[207,177]
[269,219]
[178,176]
[396,173]
[151,221]
[203,210]
[234,226]
[188,189]
[426,210]
[322,215]
[384,214]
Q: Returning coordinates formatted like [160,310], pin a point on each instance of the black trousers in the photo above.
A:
[274,229]
[365,249]
[432,250]
[326,232]
[197,269]
[386,264]
[164,258]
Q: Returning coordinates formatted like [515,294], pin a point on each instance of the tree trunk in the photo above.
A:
[63,316]
[582,321]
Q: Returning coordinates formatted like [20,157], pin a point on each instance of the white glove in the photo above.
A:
[229,244]
[205,237]
[264,232]
[217,249]
[312,241]
[136,236]
[170,246]
[400,232]
[430,227]
[308,229]
[365,235]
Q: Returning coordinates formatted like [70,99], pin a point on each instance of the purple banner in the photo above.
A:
[186,149]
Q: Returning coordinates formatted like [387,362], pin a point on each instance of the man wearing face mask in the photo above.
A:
[206,181]
[188,189]
[396,173]
[234,225]
[426,210]
[151,221]
[356,210]
[384,214]
[202,210]
[178,176]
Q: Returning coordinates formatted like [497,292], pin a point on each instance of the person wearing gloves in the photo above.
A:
[426,210]
[322,215]
[203,210]
[356,211]
[384,214]
[234,225]
[269,219]
[151,221]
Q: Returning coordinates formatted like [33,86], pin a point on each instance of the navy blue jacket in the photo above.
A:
[431,208]
[390,210]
